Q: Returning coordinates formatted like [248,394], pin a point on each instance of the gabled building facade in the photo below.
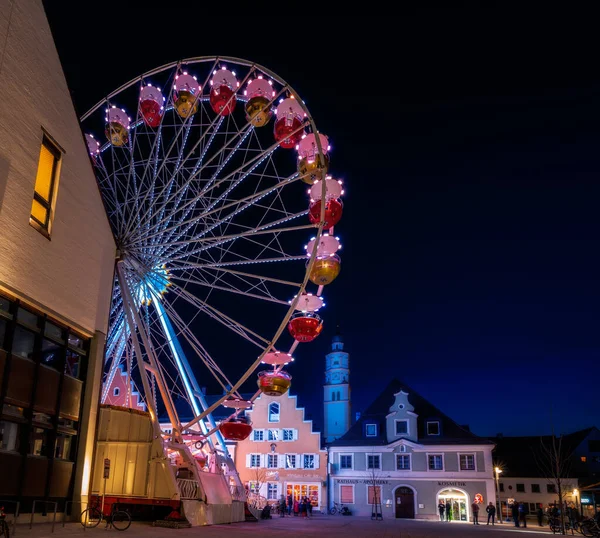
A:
[283,454]
[404,456]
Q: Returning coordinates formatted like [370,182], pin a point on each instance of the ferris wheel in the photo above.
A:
[217,186]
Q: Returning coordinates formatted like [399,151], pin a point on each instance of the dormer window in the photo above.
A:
[401,427]
[371,430]
[274,412]
[402,448]
[433,427]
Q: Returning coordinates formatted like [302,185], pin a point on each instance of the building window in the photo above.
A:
[584,459]
[433,428]
[403,462]
[467,462]
[274,412]
[258,435]
[254,487]
[535,488]
[254,460]
[346,461]
[288,434]
[520,488]
[401,427]
[309,461]
[436,462]
[9,436]
[347,494]
[273,435]
[272,461]
[550,488]
[116,391]
[371,430]
[373,461]
[271,491]
[63,447]
[290,461]
[38,442]
[374,494]
[46,182]
[532,508]
[402,448]
[501,484]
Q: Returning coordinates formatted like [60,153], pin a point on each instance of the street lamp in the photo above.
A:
[497,470]
[576,495]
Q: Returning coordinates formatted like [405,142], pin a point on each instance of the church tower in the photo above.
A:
[336,395]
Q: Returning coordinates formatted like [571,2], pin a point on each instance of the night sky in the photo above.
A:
[468,142]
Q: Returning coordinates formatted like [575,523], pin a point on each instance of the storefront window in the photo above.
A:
[51,353]
[72,364]
[54,331]
[347,494]
[23,343]
[27,318]
[299,491]
[9,436]
[75,341]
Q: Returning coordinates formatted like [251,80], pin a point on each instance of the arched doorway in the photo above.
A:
[457,504]
[404,501]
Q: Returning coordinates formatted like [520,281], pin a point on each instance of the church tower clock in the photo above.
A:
[336,391]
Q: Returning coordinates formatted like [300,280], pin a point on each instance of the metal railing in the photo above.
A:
[17,508]
[44,503]
[238,493]
[188,489]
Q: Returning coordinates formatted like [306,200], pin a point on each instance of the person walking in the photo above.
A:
[441,509]
[573,516]
[290,504]
[514,510]
[475,509]
[491,512]
[282,506]
[296,507]
[540,515]
[309,507]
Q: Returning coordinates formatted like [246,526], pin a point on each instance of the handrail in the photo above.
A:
[43,502]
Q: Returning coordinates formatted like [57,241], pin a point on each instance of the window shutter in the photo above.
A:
[263,460]
[316,461]
[295,434]
[299,461]
[248,458]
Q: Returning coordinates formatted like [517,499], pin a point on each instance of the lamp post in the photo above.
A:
[577,505]
[497,471]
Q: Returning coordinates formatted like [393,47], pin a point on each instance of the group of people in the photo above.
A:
[301,507]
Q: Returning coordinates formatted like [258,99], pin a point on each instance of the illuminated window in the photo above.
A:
[274,412]
[371,430]
[45,187]
[584,459]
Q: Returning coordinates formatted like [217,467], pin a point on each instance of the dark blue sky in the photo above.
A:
[468,140]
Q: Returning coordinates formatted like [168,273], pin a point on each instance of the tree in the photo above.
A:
[258,476]
[553,460]
[374,473]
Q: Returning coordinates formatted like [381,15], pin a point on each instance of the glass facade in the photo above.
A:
[42,369]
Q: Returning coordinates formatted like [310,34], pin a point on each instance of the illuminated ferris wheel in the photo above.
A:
[216,184]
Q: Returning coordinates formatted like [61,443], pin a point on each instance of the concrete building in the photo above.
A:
[283,454]
[56,269]
[404,456]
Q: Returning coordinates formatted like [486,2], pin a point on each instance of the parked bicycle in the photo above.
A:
[589,527]
[119,519]
[339,508]
[4,530]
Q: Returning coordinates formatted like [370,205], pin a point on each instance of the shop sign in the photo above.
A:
[452,484]
[586,500]
[356,481]
[478,498]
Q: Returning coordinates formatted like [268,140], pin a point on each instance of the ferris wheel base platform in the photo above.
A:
[199,513]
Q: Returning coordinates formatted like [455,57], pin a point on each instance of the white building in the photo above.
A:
[56,268]
[407,455]
[336,391]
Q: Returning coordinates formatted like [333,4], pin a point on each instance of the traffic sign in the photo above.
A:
[106,467]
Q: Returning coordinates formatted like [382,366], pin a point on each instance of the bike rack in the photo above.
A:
[64,519]
[17,509]
[44,503]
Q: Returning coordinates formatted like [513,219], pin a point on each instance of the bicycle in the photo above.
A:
[339,508]
[119,519]
[4,530]
[589,527]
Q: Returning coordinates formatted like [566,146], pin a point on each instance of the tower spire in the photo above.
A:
[336,390]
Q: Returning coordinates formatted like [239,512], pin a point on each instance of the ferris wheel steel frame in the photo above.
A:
[130,326]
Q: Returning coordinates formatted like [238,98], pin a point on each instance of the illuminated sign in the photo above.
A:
[356,481]
[478,498]
[586,500]
[452,484]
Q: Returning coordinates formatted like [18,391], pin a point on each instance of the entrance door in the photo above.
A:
[405,503]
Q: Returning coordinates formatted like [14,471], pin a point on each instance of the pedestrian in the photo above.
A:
[441,509]
[475,509]
[296,507]
[282,506]
[540,515]
[491,512]
[290,504]
[573,516]
[310,507]
[448,512]
[523,514]
[514,510]
[302,507]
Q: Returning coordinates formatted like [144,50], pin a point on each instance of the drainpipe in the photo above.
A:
[328,482]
